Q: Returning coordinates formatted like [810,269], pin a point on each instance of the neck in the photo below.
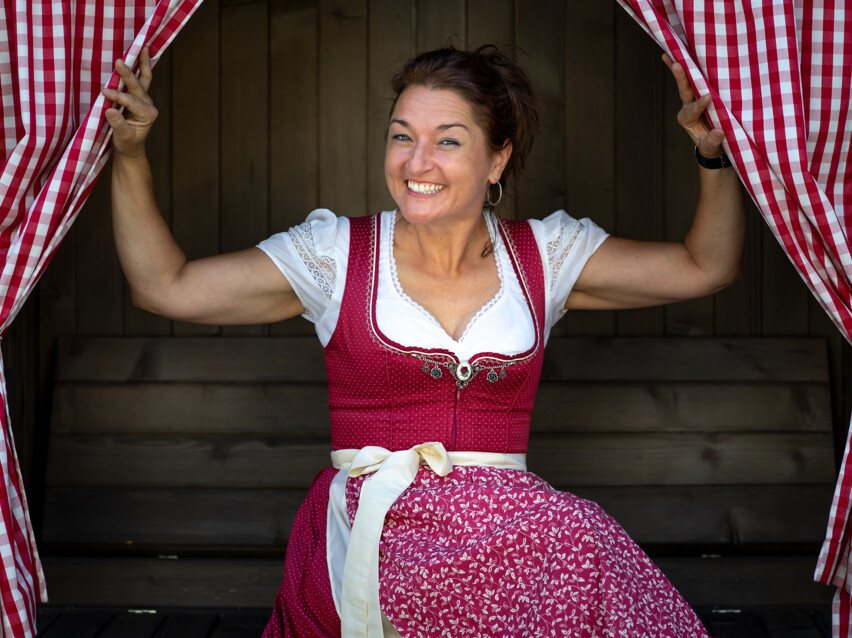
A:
[444,247]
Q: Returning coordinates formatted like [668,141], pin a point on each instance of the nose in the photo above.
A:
[420,160]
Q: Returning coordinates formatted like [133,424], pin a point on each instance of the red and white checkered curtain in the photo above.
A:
[54,58]
[780,74]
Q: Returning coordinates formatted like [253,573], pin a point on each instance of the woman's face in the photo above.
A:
[437,162]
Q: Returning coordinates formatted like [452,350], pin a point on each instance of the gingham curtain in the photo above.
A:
[780,73]
[54,58]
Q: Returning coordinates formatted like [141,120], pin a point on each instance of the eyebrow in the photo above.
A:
[442,127]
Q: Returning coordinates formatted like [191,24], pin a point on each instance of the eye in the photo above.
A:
[400,137]
[448,141]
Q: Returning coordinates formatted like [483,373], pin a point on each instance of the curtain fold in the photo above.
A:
[780,76]
[54,58]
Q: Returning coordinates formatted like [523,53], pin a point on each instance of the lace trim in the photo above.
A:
[495,241]
[558,249]
[323,269]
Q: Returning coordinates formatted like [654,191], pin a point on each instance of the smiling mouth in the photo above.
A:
[422,188]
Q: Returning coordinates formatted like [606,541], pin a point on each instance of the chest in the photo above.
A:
[453,301]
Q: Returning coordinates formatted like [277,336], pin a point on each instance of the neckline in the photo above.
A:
[506,241]
[493,234]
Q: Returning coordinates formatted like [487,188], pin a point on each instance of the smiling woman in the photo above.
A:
[433,318]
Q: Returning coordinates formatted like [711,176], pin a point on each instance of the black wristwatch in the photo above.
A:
[712,162]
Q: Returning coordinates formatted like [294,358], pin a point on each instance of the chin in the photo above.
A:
[413,216]
[419,211]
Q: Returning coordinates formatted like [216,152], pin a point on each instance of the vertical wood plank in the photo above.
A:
[785,295]
[590,110]
[57,316]
[638,153]
[680,196]
[440,23]
[100,283]
[392,38]
[820,325]
[493,22]
[541,34]
[244,163]
[490,22]
[738,309]
[195,141]
[57,303]
[590,132]
[343,106]
[159,148]
[293,124]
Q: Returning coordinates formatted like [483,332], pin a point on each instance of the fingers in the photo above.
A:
[131,127]
[692,111]
[120,128]
[134,86]
[691,114]
[145,74]
[137,86]
[139,105]
[710,145]
[140,109]
[684,88]
[114,117]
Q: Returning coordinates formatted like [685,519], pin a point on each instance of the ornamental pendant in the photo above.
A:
[464,371]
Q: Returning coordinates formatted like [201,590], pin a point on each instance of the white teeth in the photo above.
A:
[425,189]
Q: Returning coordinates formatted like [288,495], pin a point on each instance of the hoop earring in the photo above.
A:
[488,195]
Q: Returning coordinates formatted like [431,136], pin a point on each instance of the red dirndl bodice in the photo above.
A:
[386,394]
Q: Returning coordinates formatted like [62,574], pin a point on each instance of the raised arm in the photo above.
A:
[235,288]
[625,273]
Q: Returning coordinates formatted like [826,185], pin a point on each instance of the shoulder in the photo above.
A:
[559,234]
[560,223]
[322,232]
[558,230]
[322,224]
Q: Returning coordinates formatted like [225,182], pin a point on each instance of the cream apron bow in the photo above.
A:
[393,472]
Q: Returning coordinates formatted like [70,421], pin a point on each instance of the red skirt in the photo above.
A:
[486,552]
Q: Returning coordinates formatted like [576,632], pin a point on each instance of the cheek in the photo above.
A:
[393,160]
[391,170]
[388,172]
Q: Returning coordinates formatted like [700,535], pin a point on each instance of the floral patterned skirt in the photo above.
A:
[486,552]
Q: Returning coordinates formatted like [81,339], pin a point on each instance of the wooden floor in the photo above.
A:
[766,622]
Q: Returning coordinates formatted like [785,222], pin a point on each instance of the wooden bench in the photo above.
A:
[176,465]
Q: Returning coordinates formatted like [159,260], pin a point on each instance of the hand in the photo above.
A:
[708,141]
[131,129]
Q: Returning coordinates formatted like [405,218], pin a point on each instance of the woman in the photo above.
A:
[433,319]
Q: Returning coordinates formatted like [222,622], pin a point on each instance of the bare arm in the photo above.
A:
[234,288]
[626,273]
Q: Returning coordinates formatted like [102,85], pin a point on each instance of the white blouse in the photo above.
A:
[313,256]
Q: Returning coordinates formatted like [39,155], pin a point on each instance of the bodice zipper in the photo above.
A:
[455,419]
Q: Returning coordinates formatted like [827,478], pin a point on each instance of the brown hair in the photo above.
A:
[495,86]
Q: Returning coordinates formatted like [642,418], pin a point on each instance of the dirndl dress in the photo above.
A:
[467,543]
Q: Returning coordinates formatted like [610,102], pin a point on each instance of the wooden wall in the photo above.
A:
[270,108]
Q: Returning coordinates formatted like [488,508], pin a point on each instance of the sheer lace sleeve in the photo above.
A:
[566,245]
[312,256]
